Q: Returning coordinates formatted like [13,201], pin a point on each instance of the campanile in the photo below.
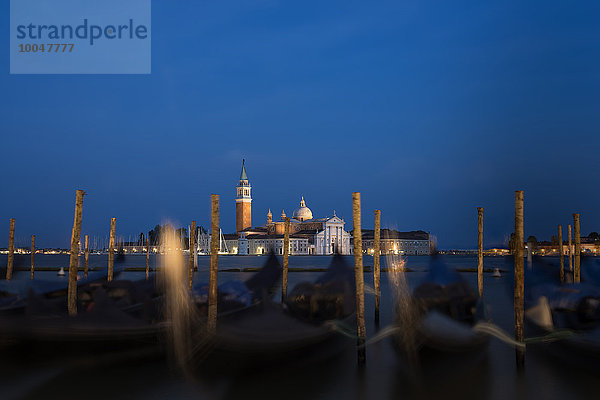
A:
[243,202]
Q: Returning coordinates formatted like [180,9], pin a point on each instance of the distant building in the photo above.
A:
[589,245]
[243,202]
[324,235]
[394,242]
[308,235]
[255,244]
[265,244]
[332,238]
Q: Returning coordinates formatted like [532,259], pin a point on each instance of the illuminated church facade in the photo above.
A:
[325,235]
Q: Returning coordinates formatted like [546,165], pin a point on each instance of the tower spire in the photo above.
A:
[269,217]
[243,175]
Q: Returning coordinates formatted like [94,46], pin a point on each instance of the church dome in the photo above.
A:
[302,213]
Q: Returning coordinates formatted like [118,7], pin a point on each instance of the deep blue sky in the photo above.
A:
[429,109]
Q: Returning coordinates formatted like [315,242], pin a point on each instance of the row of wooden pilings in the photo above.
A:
[74,253]
[519,264]
[358,262]
[86,254]
[519,270]
[214,246]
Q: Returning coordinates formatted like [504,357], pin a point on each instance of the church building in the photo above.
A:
[308,235]
[327,235]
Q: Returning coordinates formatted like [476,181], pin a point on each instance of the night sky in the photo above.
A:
[429,109]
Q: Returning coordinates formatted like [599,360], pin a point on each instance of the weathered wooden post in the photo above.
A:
[111,249]
[11,250]
[577,271]
[286,254]
[147,258]
[561,255]
[214,264]
[359,277]
[480,250]
[191,257]
[86,256]
[32,255]
[74,262]
[519,276]
[570,250]
[376,267]
[196,252]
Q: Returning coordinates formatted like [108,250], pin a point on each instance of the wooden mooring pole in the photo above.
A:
[196,253]
[561,255]
[577,270]
[214,264]
[74,261]
[570,249]
[376,266]
[480,250]
[32,255]
[86,266]
[191,257]
[111,249]
[147,258]
[519,277]
[286,255]
[11,250]
[360,279]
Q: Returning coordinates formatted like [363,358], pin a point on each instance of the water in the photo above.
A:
[385,376]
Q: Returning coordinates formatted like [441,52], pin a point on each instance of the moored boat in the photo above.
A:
[567,318]
[120,311]
[440,315]
[301,330]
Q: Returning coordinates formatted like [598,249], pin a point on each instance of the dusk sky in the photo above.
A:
[429,109]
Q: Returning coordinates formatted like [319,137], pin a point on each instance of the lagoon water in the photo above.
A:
[491,375]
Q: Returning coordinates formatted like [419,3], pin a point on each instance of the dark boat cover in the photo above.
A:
[331,296]
[444,290]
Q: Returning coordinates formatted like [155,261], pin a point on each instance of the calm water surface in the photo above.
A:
[487,376]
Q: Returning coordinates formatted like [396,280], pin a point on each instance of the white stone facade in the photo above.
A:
[266,244]
[332,238]
[259,244]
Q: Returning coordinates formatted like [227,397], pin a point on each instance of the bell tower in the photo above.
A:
[243,202]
